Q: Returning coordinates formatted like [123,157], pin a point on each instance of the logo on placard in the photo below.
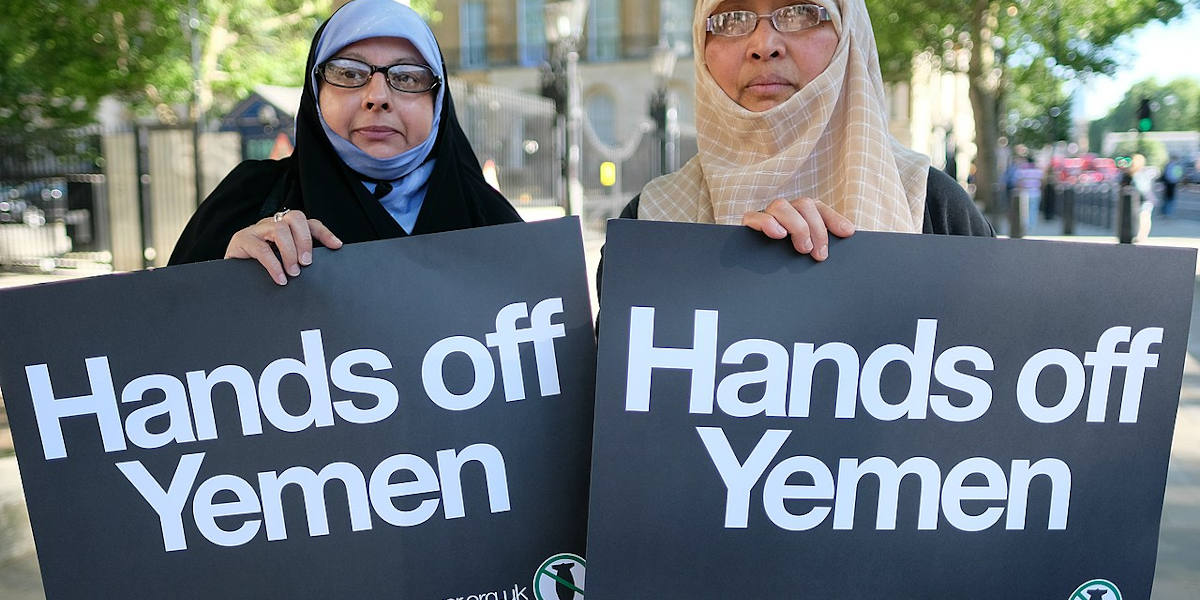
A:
[1097,589]
[560,578]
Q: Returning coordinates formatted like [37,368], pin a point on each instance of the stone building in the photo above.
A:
[502,43]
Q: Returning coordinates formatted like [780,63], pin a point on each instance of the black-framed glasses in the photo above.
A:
[797,17]
[350,73]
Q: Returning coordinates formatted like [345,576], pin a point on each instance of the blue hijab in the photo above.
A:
[327,183]
[409,171]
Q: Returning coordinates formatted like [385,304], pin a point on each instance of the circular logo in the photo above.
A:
[560,578]
[1097,589]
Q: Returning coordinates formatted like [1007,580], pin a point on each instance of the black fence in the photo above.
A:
[1090,204]
[1104,206]
[633,167]
[52,204]
[515,138]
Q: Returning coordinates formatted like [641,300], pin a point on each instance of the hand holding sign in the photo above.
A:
[809,223]
[366,434]
[289,233]
[904,419]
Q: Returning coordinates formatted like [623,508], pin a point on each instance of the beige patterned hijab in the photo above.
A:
[829,142]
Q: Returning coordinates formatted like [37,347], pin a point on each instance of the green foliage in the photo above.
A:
[1039,109]
[1037,42]
[1154,151]
[1066,36]
[904,29]
[1009,42]
[428,9]
[62,56]
[140,51]
[1176,107]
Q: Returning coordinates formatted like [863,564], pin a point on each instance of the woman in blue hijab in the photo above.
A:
[379,154]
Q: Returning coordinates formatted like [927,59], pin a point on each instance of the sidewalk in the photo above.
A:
[1164,231]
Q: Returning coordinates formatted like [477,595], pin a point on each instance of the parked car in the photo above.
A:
[1098,169]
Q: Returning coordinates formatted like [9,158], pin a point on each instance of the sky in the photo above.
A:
[1163,51]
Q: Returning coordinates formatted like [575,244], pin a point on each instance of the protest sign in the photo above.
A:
[917,417]
[406,419]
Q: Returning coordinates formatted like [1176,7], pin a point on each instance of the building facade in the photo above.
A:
[502,43]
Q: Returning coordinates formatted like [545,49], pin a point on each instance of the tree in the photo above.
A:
[905,29]
[61,57]
[1038,108]
[1176,107]
[428,9]
[1067,38]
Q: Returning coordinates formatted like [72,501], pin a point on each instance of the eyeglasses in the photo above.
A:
[350,73]
[788,19]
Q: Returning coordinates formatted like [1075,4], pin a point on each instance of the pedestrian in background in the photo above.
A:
[1171,176]
[791,122]
[1141,179]
[379,154]
[1028,183]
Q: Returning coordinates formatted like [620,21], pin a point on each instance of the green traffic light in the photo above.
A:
[1145,124]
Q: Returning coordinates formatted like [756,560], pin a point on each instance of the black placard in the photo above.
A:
[725,464]
[452,382]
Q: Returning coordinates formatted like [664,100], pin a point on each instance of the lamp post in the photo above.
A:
[662,64]
[564,29]
[193,29]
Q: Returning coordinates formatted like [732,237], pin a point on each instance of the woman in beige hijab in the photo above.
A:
[791,124]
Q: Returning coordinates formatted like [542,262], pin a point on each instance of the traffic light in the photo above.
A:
[1145,116]
[608,173]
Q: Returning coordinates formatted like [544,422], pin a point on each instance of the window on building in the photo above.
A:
[473,34]
[675,25]
[602,113]
[604,30]
[531,32]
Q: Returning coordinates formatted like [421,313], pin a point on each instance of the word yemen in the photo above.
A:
[185,405]
[944,496]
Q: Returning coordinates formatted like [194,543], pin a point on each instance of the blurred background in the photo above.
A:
[117,116]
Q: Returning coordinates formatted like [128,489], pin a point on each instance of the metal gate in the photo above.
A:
[52,204]
[105,199]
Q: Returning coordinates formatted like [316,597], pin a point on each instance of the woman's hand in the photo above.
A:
[291,234]
[808,221]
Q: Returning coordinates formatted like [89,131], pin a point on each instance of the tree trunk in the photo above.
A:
[985,92]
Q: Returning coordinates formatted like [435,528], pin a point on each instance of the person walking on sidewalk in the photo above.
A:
[1029,182]
[1171,176]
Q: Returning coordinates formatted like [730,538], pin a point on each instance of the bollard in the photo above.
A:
[1067,193]
[1050,196]
[1018,214]
[1127,199]
[1111,194]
